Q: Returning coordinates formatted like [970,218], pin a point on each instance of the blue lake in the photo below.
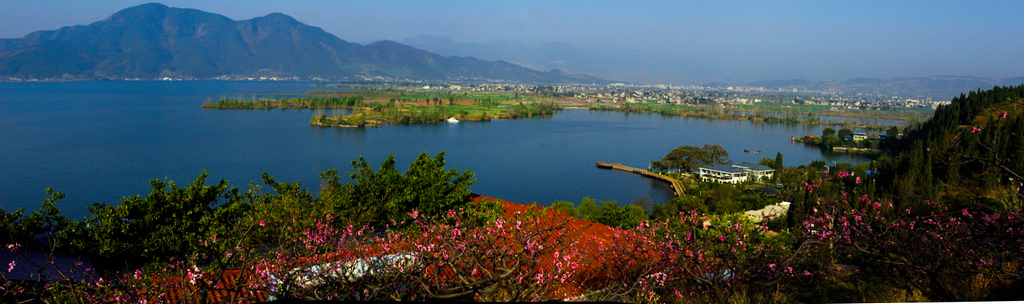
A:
[101,141]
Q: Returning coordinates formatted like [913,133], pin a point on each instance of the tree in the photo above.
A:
[829,141]
[588,209]
[566,207]
[845,133]
[386,194]
[828,131]
[688,158]
[431,189]
[716,154]
[164,224]
[893,131]
[778,161]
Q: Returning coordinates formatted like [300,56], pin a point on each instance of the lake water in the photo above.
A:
[100,141]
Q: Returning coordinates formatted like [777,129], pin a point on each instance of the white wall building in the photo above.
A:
[735,174]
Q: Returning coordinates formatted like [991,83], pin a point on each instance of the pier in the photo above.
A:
[676,186]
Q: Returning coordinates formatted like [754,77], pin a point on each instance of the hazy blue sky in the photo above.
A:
[654,41]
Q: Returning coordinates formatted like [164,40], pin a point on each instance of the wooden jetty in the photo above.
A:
[676,186]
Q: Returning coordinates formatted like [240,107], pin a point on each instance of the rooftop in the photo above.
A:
[753,166]
[723,168]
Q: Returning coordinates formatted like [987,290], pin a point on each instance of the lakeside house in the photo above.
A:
[736,173]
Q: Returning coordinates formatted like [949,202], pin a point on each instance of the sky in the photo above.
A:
[680,42]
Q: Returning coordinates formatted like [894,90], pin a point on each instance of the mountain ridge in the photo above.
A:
[153,41]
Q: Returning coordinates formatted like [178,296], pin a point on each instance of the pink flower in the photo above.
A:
[10,266]
[975,130]
[262,223]
[721,237]
[1004,114]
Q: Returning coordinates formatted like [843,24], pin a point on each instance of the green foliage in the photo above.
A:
[166,223]
[588,210]
[201,219]
[844,133]
[566,207]
[605,212]
[689,158]
[316,102]
[620,217]
[383,195]
[21,229]
[431,189]
[673,207]
[527,110]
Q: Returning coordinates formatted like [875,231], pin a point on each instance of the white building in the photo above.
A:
[735,174]
[723,174]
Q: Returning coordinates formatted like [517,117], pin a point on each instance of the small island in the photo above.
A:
[381,106]
[374,105]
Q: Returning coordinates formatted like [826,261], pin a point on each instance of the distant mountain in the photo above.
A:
[552,55]
[934,86]
[154,41]
[1015,81]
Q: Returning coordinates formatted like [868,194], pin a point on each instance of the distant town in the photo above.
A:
[697,95]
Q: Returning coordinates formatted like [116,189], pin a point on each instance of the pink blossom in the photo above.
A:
[1004,114]
[975,130]
[11,266]
[262,223]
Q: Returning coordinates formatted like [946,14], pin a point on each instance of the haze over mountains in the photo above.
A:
[557,55]
[155,41]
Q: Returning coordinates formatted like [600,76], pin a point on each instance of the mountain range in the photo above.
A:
[601,63]
[153,41]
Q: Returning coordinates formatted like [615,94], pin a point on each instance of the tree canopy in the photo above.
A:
[689,158]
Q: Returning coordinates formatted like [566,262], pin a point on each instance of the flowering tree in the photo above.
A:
[948,255]
[524,257]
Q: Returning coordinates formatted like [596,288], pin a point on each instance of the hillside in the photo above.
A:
[154,41]
[970,151]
